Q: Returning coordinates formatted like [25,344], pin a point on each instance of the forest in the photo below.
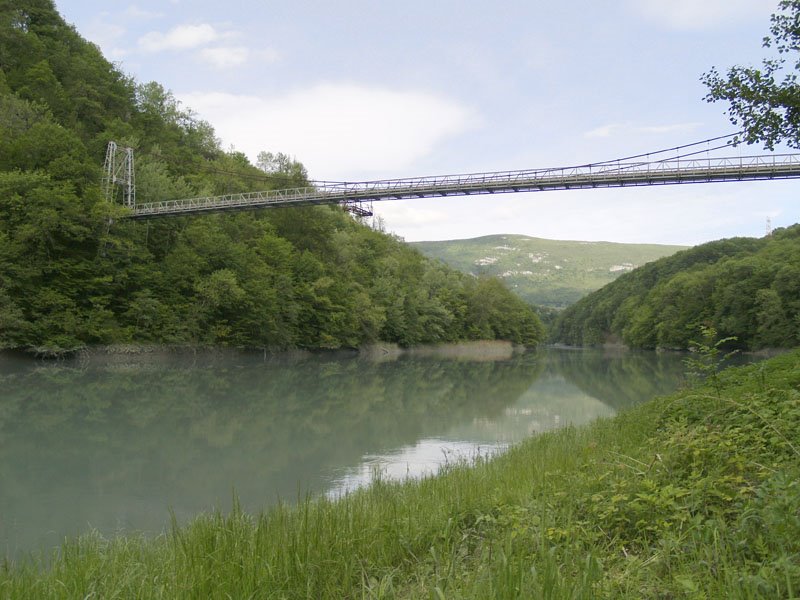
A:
[744,288]
[74,272]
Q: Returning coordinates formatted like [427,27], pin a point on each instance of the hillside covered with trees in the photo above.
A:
[743,287]
[74,272]
[548,273]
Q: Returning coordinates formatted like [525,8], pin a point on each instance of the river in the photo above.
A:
[115,445]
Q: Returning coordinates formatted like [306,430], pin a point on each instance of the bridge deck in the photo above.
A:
[609,174]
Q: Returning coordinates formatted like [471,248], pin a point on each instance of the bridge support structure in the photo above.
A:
[118,173]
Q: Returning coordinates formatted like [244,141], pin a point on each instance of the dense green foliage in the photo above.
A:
[74,273]
[693,495]
[743,287]
[765,102]
[551,274]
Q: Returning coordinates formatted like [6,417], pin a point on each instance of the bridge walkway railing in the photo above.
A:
[596,175]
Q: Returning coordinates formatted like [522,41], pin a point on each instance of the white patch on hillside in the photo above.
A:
[622,267]
[516,274]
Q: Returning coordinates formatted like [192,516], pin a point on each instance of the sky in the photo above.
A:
[360,90]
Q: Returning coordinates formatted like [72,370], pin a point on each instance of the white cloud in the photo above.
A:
[409,216]
[703,14]
[225,57]
[266,55]
[617,129]
[134,12]
[339,131]
[537,52]
[603,131]
[182,37]
[671,128]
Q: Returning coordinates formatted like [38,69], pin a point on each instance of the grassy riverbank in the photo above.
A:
[694,495]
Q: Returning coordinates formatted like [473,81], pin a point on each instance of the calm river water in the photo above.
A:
[115,445]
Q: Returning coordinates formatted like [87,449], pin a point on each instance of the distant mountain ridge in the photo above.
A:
[552,273]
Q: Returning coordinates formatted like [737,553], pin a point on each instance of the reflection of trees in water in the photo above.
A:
[117,445]
[618,378]
[124,440]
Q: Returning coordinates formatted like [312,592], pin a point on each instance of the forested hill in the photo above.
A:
[550,273]
[74,273]
[743,287]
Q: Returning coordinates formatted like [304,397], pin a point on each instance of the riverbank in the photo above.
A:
[111,353]
[691,495]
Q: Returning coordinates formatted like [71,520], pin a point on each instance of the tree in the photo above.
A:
[765,101]
[283,167]
[42,86]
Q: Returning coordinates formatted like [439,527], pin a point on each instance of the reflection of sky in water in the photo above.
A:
[549,403]
[423,458]
[117,446]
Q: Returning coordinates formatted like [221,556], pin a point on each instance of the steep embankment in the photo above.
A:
[550,273]
[743,287]
[74,273]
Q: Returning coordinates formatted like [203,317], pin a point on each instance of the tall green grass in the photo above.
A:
[694,495]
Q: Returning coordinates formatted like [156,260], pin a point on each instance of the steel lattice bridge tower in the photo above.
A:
[680,165]
[118,174]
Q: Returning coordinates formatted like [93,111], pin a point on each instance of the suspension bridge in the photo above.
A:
[690,163]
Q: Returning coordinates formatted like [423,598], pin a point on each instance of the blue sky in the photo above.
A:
[359,89]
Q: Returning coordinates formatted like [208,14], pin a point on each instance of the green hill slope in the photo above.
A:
[549,273]
[743,287]
[74,272]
